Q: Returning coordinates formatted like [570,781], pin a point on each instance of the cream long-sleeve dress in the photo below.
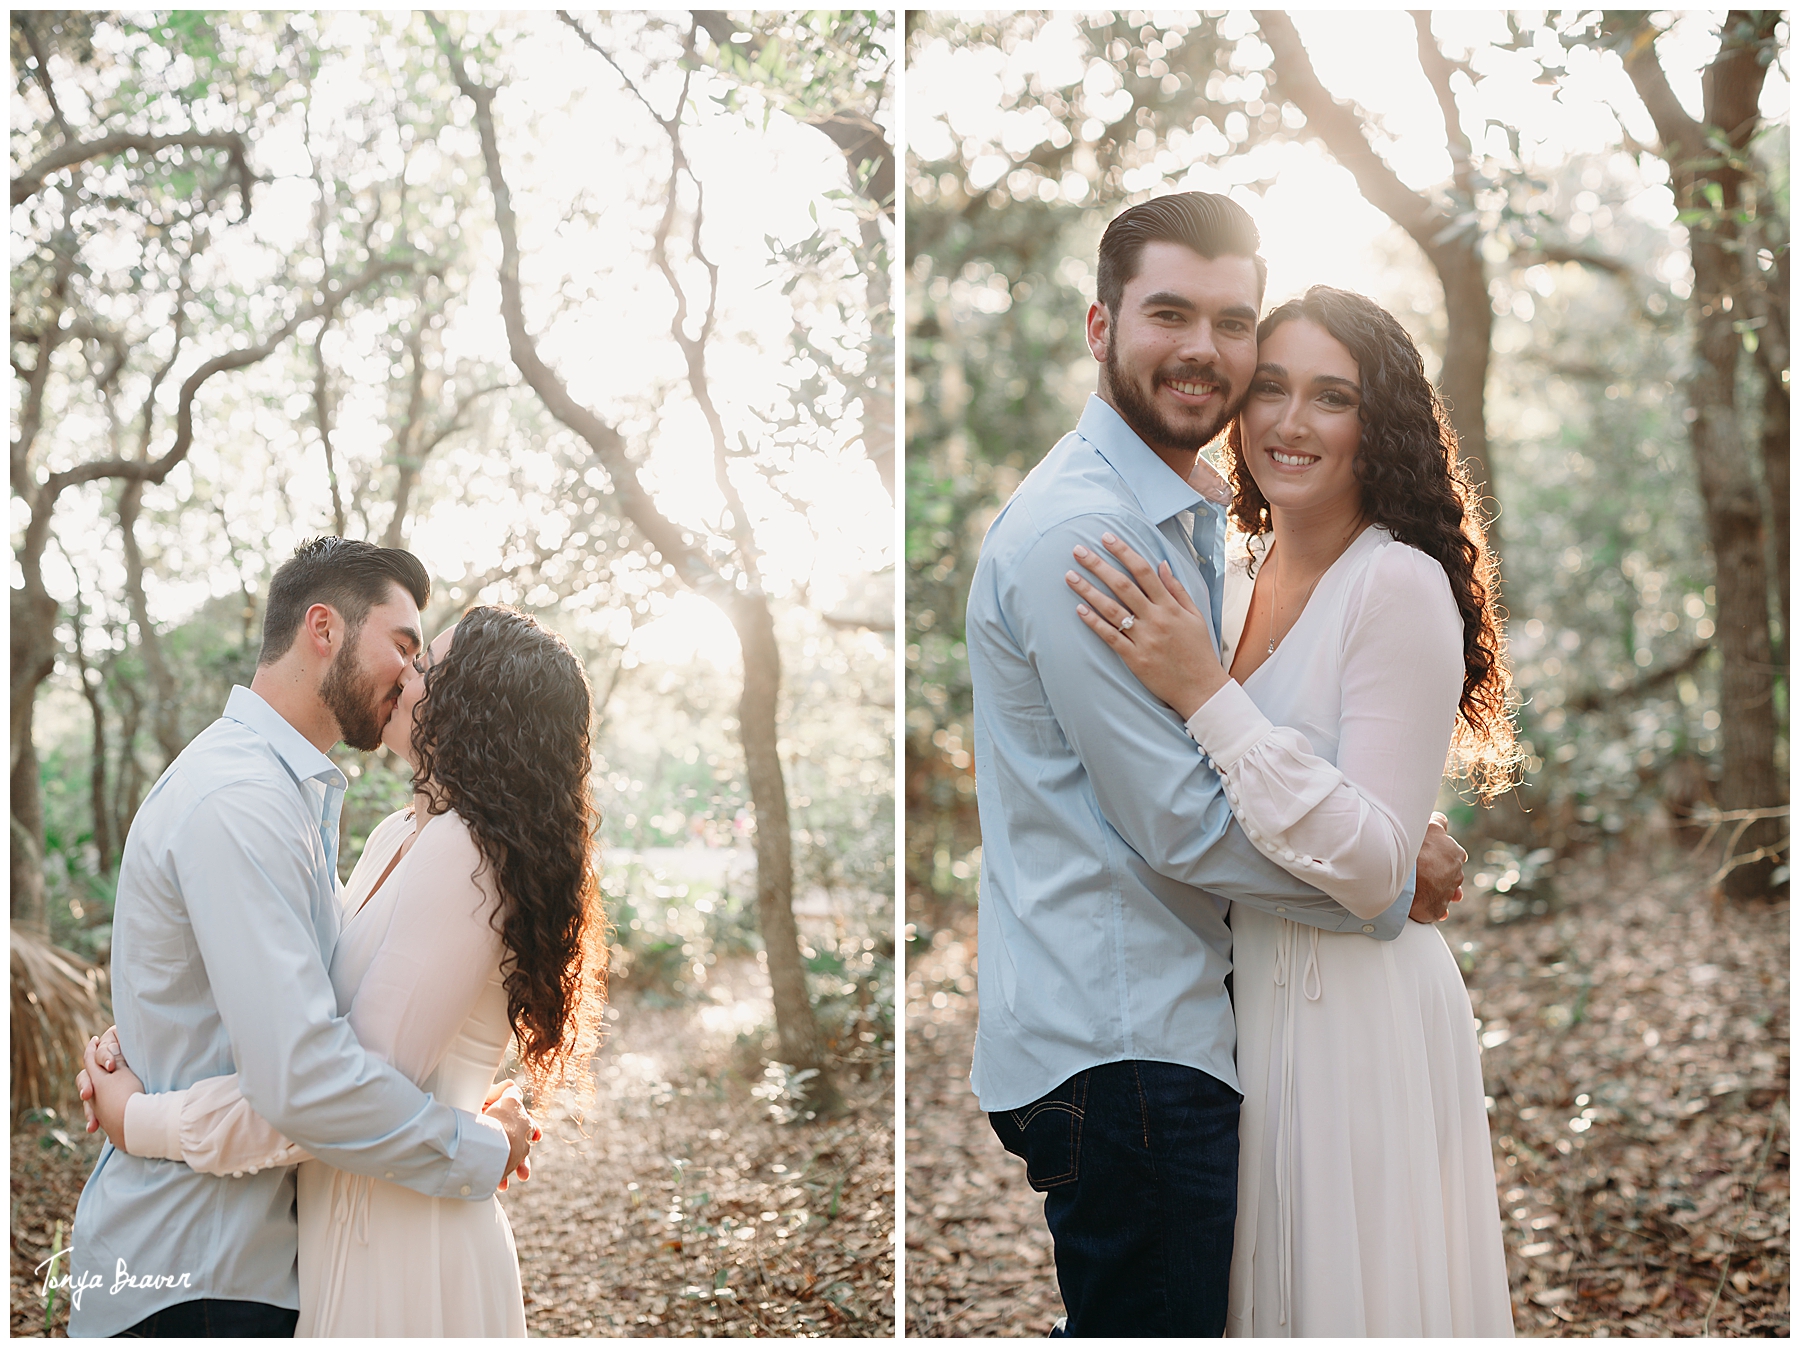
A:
[1366,1199]
[417,971]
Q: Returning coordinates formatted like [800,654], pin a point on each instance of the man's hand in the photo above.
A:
[506,1107]
[1440,873]
[110,1090]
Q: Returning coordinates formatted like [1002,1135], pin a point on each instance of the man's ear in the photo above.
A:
[322,628]
[1099,330]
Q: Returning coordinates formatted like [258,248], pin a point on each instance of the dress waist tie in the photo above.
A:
[1311,987]
[350,1200]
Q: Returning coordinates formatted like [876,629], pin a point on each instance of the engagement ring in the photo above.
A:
[1129,623]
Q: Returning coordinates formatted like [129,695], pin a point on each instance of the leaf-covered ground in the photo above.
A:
[1636,1050]
[678,1208]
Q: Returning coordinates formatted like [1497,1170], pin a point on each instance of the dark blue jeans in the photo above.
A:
[1137,1162]
[216,1319]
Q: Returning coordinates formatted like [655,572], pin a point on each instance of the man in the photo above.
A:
[226,918]
[1104,1054]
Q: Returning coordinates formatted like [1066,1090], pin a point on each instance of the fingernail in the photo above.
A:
[1070,575]
[1080,551]
[1109,538]
[1082,609]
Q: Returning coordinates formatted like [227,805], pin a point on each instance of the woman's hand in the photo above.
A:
[111,1089]
[1153,625]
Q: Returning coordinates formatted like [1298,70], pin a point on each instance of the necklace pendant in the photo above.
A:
[1271,645]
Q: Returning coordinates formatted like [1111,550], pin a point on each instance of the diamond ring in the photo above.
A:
[1129,623]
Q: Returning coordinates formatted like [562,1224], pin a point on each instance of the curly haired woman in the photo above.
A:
[1362,651]
[471,917]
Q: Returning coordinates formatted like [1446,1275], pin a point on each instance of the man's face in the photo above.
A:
[1181,349]
[363,685]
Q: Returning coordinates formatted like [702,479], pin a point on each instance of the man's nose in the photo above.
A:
[1197,346]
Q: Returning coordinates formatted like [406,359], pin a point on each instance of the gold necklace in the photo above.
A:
[1275,588]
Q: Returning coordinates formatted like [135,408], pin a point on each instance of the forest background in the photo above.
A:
[1582,217]
[591,313]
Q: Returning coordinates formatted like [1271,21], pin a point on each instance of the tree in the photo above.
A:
[724,569]
[1708,159]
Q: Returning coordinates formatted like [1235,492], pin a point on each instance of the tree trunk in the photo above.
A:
[759,731]
[165,719]
[1735,528]
[1709,186]
[878,411]
[1463,380]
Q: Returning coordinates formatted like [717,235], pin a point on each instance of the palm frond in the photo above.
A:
[58,1001]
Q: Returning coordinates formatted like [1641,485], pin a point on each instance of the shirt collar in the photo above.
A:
[1159,489]
[299,753]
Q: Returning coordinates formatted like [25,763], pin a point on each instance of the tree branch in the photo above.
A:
[607,445]
[67,156]
[1341,130]
[1438,70]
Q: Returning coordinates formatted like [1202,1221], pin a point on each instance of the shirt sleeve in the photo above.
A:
[439,951]
[1148,783]
[1354,828]
[246,874]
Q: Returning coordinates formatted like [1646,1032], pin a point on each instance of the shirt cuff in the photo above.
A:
[1228,725]
[153,1126]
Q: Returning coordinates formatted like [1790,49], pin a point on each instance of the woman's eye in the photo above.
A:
[1264,387]
[418,662]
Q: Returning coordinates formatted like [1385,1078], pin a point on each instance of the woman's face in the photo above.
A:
[399,732]
[1300,425]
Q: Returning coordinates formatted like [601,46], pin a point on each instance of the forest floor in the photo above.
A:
[677,1208]
[1635,1048]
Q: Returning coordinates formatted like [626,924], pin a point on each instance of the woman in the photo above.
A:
[471,917]
[1363,645]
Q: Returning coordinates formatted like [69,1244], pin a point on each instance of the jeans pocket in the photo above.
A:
[1046,1134]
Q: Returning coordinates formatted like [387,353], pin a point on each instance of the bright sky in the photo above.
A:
[1316,227]
[571,133]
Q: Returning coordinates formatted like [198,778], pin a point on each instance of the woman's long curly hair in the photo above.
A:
[501,735]
[1413,486]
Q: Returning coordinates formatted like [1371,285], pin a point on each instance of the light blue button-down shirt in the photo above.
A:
[227,916]
[1108,850]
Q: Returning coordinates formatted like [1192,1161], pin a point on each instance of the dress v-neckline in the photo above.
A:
[394,864]
[1305,608]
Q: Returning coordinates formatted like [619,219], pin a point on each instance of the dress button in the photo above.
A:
[389,1175]
[1368,928]
[1287,854]
[1280,909]
[466,1187]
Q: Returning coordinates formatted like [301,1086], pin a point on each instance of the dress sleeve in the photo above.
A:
[1354,829]
[434,959]
[210,1126]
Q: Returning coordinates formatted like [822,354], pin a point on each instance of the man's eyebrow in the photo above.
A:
[1239,311]
[1167,299]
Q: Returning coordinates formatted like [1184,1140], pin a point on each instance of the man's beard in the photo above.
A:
[354,701]
[1151,426]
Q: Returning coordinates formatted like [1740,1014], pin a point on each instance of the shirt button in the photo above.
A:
[389,1175]
[1368,929]
[1280,910]
[466,1187]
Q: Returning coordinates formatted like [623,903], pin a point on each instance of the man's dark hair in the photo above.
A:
[1213,226]
[351,576]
